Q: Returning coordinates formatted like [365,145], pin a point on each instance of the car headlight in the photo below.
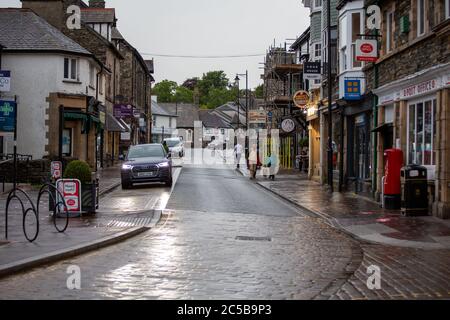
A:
[127,167]
[163,164]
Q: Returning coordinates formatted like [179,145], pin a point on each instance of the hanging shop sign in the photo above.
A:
[123,111]
[136,113]
[301,99]
[367,50]
[7,115]
[312,71]
[352,89]
[288,125]
[5,81]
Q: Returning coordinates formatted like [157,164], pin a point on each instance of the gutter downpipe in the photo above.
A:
[375,122]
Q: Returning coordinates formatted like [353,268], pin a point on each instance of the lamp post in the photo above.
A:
[246,103]
[238,104]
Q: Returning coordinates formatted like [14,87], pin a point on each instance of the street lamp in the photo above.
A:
[236,80]
[246,103]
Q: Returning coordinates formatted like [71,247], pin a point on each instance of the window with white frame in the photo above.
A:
[100,83]
[420,17]
[317,4]
[389,31]
[71,69]
[357,30]
[422,132]
[317,51]
[447,9]
[91,75]
[343,43]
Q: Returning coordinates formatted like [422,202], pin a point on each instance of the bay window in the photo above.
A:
[389,31]
[70,69]
[447,9]
[422,132]
[357,29]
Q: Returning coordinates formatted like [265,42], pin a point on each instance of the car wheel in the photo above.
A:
[126,185]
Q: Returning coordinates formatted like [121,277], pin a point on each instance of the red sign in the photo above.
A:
[56,169]
[366,50]
[71,191]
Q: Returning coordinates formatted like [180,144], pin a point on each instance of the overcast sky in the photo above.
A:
[206,27]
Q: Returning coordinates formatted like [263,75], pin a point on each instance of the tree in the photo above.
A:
[190,83]
[259,92]
[165,90]
[212,80]
[183,94]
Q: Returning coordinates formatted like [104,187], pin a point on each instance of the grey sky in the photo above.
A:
[206,27]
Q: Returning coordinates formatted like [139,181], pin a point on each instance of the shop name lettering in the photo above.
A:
[420,88]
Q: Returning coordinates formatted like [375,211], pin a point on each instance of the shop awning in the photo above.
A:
[114,125]
[87,119]
[75,116]
[383,127]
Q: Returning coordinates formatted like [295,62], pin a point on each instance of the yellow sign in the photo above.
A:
[301,99]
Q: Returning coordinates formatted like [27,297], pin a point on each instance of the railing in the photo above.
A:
[22,197]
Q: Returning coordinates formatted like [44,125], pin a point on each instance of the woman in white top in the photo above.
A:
[253,161]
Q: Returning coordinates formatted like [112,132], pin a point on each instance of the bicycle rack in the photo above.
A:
[46,188]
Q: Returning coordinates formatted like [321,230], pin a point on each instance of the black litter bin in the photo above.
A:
[414,190]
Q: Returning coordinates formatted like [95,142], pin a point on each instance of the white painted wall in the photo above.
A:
[34,76]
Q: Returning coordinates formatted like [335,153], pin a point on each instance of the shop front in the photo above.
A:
[314,142]
[421,127]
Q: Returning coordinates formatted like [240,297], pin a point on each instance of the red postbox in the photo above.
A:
[392,183]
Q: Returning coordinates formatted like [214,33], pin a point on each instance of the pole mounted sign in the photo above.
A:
[288,125]
[312,71]
[5,81]
[7,115]
[56,170]
[301,99]
[367,50]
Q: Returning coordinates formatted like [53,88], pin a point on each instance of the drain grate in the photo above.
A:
[246,238]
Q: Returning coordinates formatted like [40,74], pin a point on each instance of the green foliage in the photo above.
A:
[304,142]
[259,92]
[78,170]
[211,80]
[183,94]
[165,90]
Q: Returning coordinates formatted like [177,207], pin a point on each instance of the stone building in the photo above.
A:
[411,82]
[135,90]
[97,23]
[49,70]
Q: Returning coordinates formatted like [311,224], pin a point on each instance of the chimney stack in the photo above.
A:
[96,3]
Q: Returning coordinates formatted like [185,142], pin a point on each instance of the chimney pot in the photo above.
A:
[96,3]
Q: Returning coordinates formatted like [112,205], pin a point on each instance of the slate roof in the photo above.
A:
[116,35]
[187,113]
[159,110]
[211,120]
[98,15]
[23,30]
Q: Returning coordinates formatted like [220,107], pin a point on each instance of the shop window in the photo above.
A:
[70,69]
[422,132]
[67,143]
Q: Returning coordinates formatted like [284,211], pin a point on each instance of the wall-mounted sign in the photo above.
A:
[123,111]
[7,115]
[352,89]
[5,81]
[257,116]
[136,113]
[301,98]
[288,125]
[366,50]
[56,170]
[312,71]
[71,191]
[419,89]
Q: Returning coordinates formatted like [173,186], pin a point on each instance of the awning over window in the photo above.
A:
[383,127]
[75,116]
[85,118]
[114,125]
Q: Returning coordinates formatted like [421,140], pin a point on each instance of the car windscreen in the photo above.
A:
[155,151]
[172,143]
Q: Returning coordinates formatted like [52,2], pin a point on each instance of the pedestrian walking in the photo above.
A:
[253,161]
[238,153]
